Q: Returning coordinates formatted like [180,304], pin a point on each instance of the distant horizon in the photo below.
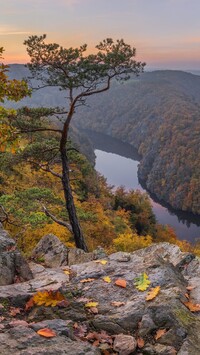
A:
[149,69]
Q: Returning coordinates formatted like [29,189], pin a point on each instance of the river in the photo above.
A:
[118,162]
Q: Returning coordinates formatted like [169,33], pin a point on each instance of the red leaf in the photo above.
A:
[121,283]
[46,332]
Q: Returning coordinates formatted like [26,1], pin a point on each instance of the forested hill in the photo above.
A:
[159,114]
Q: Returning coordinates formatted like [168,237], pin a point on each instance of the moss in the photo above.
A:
[184,316]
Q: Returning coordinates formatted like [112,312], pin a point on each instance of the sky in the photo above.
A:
[165,33]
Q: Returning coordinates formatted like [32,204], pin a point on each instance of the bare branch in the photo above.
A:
[60,222]
[46,168]
[40,130]
[5,218]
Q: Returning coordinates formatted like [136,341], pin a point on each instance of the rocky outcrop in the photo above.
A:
[122,321]
[13,267]
[53,253]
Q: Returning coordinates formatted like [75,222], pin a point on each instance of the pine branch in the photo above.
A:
[60,222]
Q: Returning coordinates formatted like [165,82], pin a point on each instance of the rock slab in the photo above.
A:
[13,267]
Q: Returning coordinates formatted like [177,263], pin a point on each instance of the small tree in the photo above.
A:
[80,76]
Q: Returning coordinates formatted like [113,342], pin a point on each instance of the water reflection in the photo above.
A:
[118,162]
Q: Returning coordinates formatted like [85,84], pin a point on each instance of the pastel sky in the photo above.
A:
[166,33]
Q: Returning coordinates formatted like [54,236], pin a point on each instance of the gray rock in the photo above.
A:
[13,267]
[124,344]
[135,316]
[25,341]
[53,253]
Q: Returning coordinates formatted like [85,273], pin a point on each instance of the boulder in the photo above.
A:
[13,267]
[53,253]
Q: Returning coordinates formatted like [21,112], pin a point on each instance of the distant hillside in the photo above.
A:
[159,114]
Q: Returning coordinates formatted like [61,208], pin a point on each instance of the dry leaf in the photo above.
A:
[187,296]
[94,310]
[46,332]
[80,330]
[192,307]
[83,299]
[29,304]
[142,282]
[67,272]
[103,262]
[140,343]
[14,311]
[48,298]
[91,304]
[107,279]
[190,288]
[160,333]
[2,318]
[63,303]
[1,306]
[87,280]
[117,304]
[153,292]
[121,283]
[18,322]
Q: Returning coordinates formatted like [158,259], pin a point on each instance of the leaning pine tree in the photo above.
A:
[80,76]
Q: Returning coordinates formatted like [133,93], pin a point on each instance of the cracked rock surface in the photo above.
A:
[107,326]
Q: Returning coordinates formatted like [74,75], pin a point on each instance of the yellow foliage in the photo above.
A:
[142,282]
[153,292]
[130,242]
[47,298]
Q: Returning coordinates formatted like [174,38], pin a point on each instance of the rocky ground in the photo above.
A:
[95,307]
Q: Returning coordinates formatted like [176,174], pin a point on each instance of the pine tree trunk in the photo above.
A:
[78,235]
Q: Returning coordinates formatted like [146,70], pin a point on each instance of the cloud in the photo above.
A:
[9,31]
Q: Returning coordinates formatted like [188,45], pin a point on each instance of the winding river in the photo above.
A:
[118,162]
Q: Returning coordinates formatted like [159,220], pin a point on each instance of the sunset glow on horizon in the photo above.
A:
[166,33]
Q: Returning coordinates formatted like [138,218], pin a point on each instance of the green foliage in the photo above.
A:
[138,204]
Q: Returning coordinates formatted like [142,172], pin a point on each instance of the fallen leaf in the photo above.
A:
[140,343]
[46,298]
[2,318]
[190,288]
[46,332]
[107,279]
[83,299]
[153,292]
[14,311]
[87,280]
[63,303]
[121,283]
[94,310]
[18,322]
[2,326]
[103,262]
[80,330]
[160,333]
[117,304]
[67,272]
[29,304]
[1,306]
[192,307]
[187,296]
[142,282]
[91,304]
